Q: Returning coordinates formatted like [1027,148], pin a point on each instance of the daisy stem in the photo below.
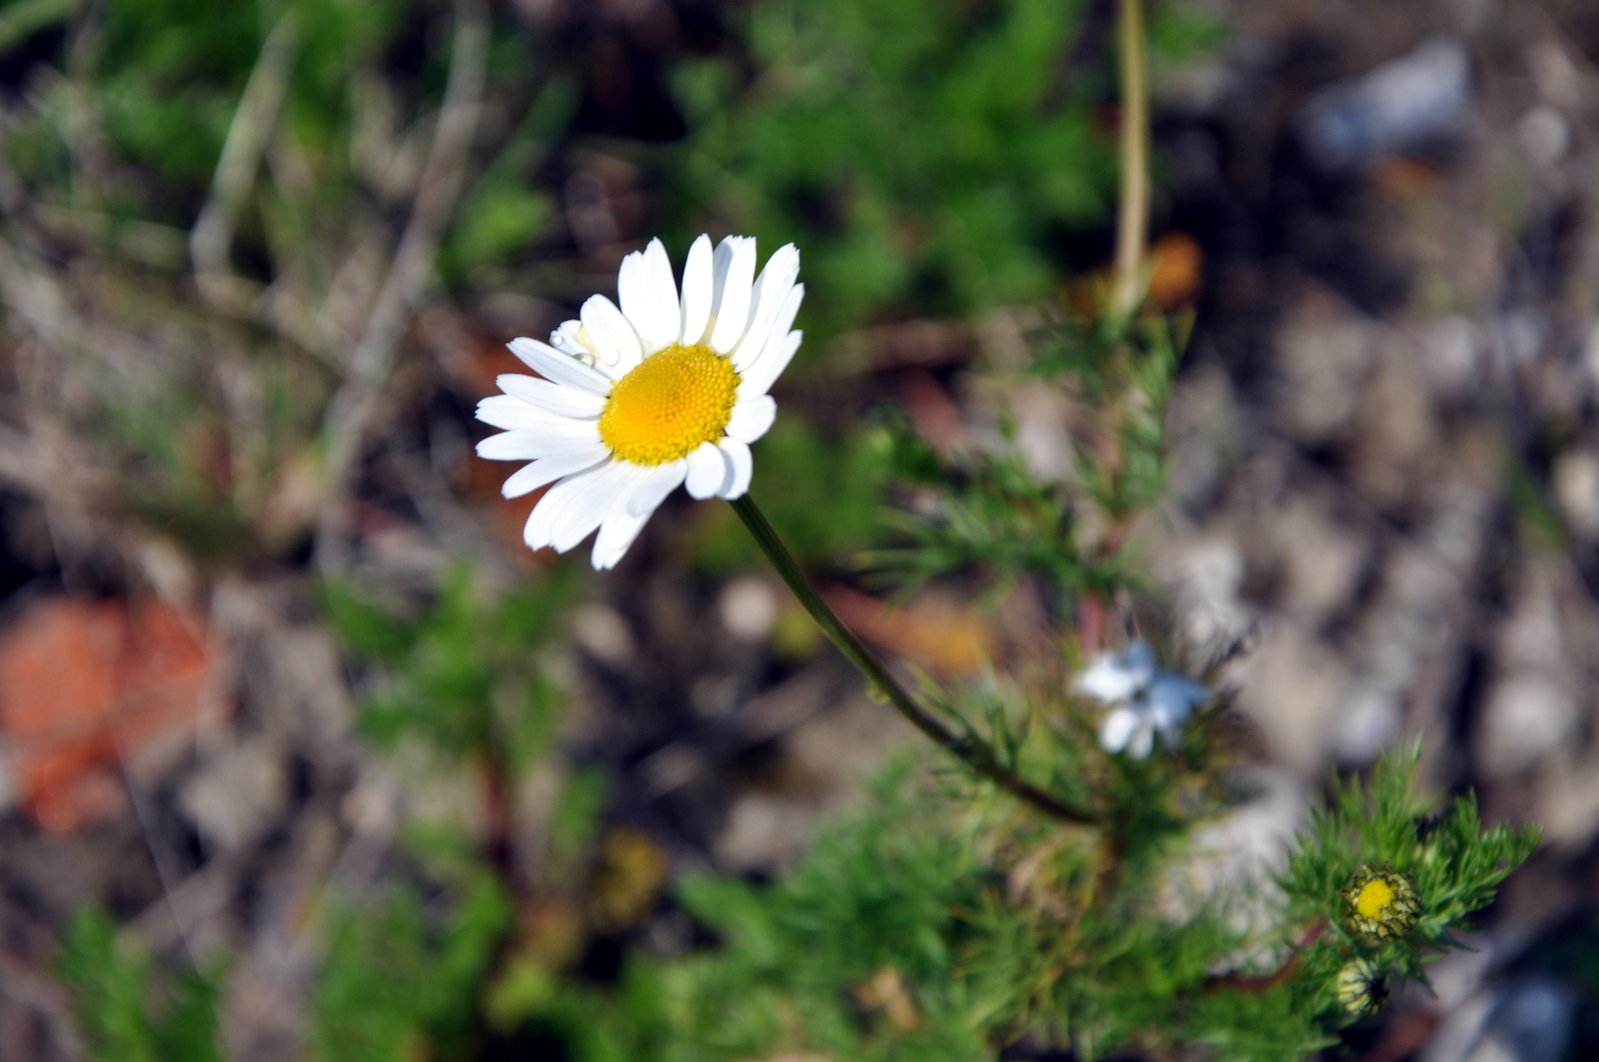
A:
[967,748]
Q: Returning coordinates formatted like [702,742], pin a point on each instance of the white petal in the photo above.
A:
[513,414]
[752,418]
[613,336]
[764,373]
[765,339]
[740,466]
[632,290]
[698,291]
[663,282]
[530,445]
[588,506]
[568,401]
[616,536]
[771,290]
[707,471]
[662,318]
[647,494]
[1109,679]
[629,513]
[1143,740]
[649,297]
[558,367]
[511,446]
[735,274]
[1117,728]
[548,469]
[788,311]
[550,508]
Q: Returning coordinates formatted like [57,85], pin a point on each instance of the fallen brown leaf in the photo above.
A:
[87,685]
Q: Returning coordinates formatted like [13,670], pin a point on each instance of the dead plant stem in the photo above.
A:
[357,400]
[1132,218]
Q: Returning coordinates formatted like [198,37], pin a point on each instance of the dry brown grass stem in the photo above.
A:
[1132,220]
[242,151]
[351,411]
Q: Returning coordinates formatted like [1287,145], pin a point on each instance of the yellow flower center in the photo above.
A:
[1373,898]
[673,401]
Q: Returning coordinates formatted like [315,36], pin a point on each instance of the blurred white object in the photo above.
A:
[1400,105]
[1527,1020]
[1146,699]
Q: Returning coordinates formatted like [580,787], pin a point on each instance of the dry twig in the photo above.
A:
[353,406]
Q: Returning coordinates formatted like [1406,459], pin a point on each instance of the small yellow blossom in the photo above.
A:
[1381,904]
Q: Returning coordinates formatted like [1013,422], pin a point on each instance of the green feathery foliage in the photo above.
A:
[398,981]
[918,147]
[467,677]
[126,1012]
[1385,822]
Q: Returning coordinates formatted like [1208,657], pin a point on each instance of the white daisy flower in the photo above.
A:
[667,390]
[1145,699]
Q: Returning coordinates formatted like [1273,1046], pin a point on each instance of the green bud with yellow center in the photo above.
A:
[1382,905]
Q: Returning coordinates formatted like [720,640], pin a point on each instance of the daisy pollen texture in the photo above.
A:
[633,401]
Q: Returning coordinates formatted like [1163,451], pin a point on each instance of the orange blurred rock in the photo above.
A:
[1176,271]
[1176,265]
[1405,180]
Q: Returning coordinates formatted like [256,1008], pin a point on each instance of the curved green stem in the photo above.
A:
[967,748]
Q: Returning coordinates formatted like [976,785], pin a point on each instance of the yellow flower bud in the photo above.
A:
[1381,904]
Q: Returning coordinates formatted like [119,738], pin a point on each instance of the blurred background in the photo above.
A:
[272,655]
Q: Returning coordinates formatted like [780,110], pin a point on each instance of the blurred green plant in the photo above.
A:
[219,226]
[1455,864]
[128,1013]
[1126,371]
[928,154]
[982,513]
[401,982]
[469,682]
[929,159]
[942,927]
[466,679]
[850,955]
[940,924]
[169,84]
[987,512]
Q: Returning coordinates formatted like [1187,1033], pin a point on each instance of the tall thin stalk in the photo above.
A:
[1132,218]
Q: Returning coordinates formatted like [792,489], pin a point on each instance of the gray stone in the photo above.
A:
[1527,1020]
[1527,716]
[1402,104]
[1576,483]
[238,794]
